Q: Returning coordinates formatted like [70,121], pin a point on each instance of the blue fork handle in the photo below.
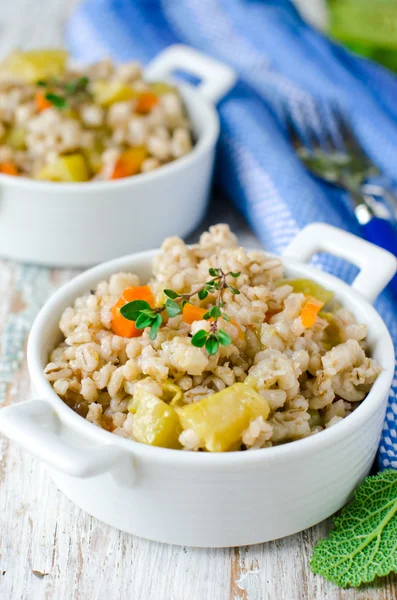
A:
[382,233]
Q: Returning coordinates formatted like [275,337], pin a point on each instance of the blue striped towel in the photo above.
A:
[281,61]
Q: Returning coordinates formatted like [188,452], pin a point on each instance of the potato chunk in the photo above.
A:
[220,420]
[155,422]
[68,168]
[35,65]
[309,288]
[106,93]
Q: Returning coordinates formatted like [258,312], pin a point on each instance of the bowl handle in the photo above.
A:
[35,425]
[377,266]
[216,77]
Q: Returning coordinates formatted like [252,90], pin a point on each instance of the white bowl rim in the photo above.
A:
[305,446]
[206,139]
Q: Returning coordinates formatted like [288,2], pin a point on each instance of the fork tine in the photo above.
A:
[292,132]
[348,138]
[330,142]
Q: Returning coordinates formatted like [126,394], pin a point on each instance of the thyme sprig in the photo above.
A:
[145,316]
[62,93]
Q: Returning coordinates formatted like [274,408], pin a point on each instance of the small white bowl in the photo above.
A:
[81,224]
[204,499]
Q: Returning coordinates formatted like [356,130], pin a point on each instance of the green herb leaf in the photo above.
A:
[234,290]
[199,338]
[131,310]
[78,85]
[155,327]
[56,100]
[215,312]
[225,316]
[212,345]
[217,285]
[184,302]
[171,294]
[149,312]
[143,321]
[223,337]
[203,294]
[41,83]
[206,316]
[363,543]
[172,308]
[235,274]
[213,272]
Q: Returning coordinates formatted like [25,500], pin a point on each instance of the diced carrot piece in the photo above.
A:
[8,168]
[146,103]
[41,101]
[191,313]
[310,310]
[129,163]
[122,326]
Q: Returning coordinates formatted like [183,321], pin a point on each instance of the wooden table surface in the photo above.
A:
[42,532]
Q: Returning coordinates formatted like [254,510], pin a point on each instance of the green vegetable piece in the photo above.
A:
[160,88]
[363,544]
[16,138]
[309,288]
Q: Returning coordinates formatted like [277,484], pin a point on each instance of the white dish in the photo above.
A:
[80,224]
[204,499]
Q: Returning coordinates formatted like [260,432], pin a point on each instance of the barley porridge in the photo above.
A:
[103,122]
[217,352]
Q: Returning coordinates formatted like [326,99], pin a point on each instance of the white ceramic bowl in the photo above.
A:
[80,224]
[203,499]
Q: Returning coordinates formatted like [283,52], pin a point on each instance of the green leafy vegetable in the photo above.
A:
[363,544]
[56,100]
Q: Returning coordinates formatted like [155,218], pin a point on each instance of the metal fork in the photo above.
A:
[337,158]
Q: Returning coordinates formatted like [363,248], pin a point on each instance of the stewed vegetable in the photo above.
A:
[106,118]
